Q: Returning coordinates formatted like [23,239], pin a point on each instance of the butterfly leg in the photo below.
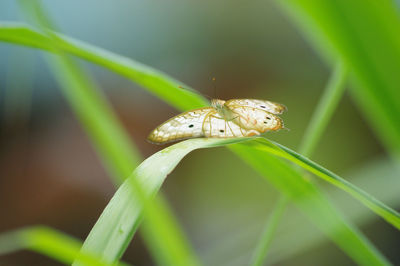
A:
[233,118]
[233,133]
[241,129]
[226,123]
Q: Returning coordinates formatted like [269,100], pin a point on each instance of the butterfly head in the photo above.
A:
[217,104]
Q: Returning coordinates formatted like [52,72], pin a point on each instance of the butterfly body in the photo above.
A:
[224,119]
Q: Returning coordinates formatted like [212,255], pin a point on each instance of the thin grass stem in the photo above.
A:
[322,114]
[324,110]
[269,231]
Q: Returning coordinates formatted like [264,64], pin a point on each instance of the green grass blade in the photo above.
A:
[95,114]
[18,92]
[120,219]
[153,80]
[387,213]
[165,240]
[123,211]
[266,238]
[158,218]
[366,35]
[46,241]
[322,114]
[296,238]
[111,142]
[309,199]
[324,110]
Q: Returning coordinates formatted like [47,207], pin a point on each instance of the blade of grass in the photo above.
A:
[387,213]
[109,139]
[324,110]
[95,114]
[157,217]
[162,238]
[122,214]
[366,35]
[17,97]
[115,228]
[46,241]
[322,114]
[170,90]
[261,251]
[299,237]
[309,199]
[159,221]
[123,211]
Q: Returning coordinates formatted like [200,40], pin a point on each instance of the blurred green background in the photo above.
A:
[49,173]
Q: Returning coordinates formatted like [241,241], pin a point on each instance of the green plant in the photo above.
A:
[278,164]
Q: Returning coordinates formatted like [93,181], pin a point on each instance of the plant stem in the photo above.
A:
[325,108]
[269,231]
[322,114]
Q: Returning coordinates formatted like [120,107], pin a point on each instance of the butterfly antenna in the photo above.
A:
[215,87]
[196,92]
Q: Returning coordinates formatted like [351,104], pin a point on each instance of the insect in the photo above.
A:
[224,119]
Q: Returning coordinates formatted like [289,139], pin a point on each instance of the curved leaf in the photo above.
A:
[46,241]
[170,90]
[122,214]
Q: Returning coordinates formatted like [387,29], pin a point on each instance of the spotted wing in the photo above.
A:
[184,126]
[215,126]
[272,107]
[251,118]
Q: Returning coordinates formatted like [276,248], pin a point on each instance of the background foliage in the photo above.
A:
[220,204]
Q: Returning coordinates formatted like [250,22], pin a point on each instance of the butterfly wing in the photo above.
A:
[251,118]
[183,126]
[247,117]
[272,107]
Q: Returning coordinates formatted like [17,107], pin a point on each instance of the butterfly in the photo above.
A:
[223,119]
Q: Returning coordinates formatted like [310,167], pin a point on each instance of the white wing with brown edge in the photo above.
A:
[272,107]
[250,118]
[183,126]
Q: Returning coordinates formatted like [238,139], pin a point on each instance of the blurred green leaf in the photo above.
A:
[112,143]
[159,222]
[387,213]
[47,241]
[262,249]
[170,90]
[321,115]
[309,199]
[85,98]
[324,110]
[296,236]
[366,35]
